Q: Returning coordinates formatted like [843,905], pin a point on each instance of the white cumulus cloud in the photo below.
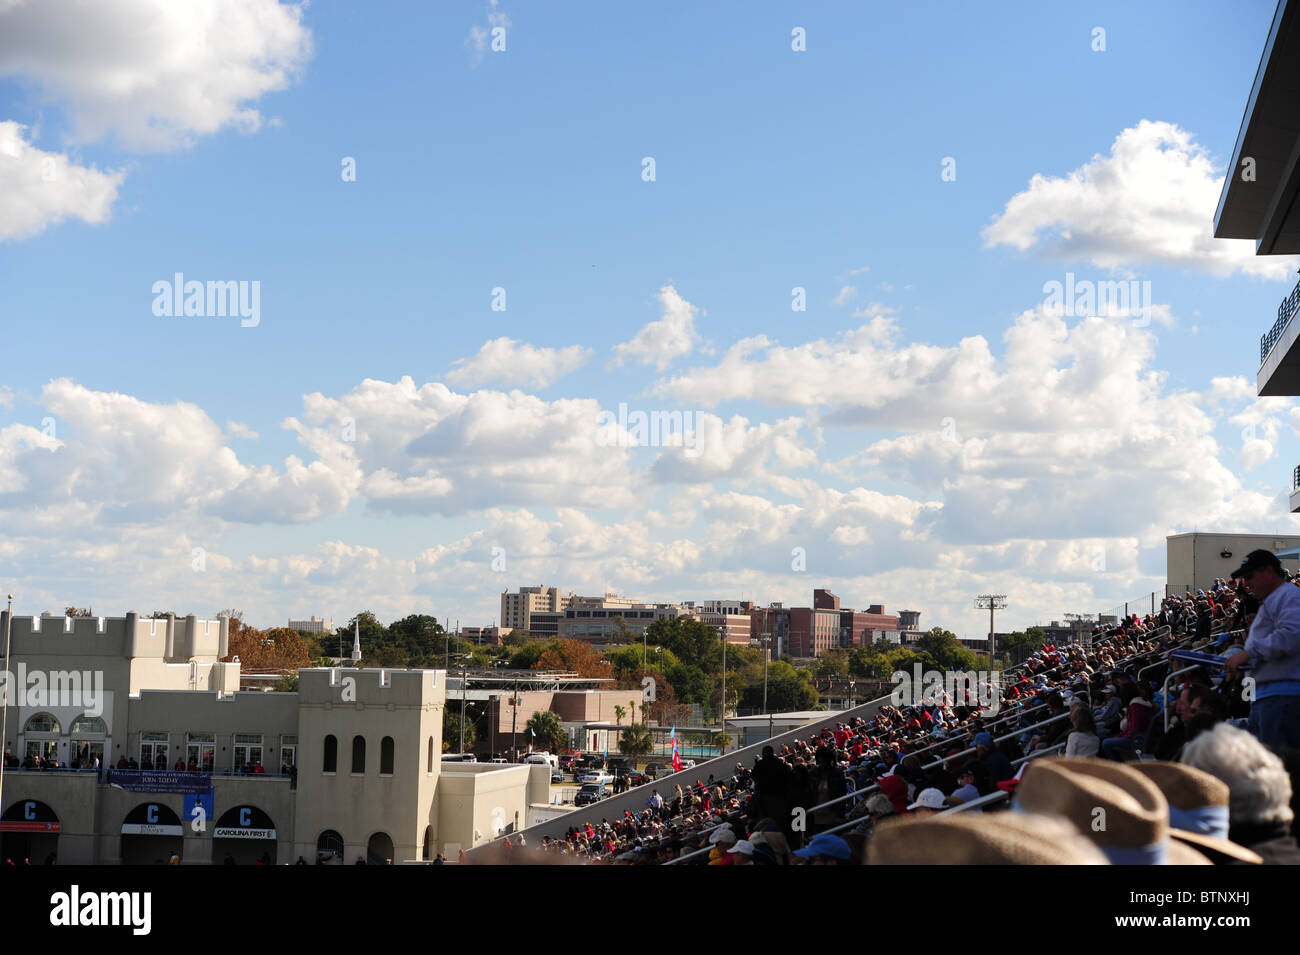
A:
[505,361]
[42,189]
[1151,201]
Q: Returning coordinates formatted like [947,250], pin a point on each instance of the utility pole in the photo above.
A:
[991,602]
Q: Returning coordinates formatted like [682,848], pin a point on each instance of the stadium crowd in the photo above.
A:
[1184,725]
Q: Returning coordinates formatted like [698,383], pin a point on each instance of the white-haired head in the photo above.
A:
[1259,785]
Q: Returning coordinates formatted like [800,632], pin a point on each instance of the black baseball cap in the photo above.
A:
[1257,560]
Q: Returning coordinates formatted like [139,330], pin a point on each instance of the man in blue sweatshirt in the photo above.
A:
[1272,651]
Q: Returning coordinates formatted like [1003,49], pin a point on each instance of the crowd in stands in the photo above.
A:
[1208,759]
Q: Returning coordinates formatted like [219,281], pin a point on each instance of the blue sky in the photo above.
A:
[521,169]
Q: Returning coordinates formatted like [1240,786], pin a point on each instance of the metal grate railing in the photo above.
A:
[1285,312]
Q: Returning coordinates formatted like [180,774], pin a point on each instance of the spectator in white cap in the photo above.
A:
[743,851]
[928,802]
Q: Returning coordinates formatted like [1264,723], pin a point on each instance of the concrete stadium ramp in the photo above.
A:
[635,799]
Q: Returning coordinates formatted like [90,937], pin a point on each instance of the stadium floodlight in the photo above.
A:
[991,602]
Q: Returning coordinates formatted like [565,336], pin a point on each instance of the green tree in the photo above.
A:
[619,713]
[451,731]
[722,740]
[527,655]
[1019,645]
[690,639]
[546,731]
[788,690]
[692,683]
[372,632]
[287,683]
[946,651]
[635,740]
[832,663]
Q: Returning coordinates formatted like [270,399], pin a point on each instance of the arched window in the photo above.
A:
[42,723]
[88,724]
[386,756]
[329,847]
[358,754]
[331,760]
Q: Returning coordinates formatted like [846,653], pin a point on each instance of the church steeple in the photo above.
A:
[356,642]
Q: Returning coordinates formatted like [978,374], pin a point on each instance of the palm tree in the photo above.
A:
[547,730]
[619,713]
[636,740]
[632,703]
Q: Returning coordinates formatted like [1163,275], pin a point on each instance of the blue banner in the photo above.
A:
[198,808]
[147,781]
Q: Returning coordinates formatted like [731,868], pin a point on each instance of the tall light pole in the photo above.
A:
[4,720]
[723,711]
[991,602]
[767,652]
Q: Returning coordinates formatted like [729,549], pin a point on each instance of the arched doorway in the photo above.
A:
[151,834]
[245,834]
[41,734]
[329,848]
[379,851]
[427,855]
[29,830]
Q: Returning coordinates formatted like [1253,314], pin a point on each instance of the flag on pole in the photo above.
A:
[677,760]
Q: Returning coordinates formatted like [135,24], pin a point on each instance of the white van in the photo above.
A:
[546,758]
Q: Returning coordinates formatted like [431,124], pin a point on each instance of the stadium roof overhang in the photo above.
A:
[1260,193]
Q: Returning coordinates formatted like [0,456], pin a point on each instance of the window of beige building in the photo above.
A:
[330,762]
[248,750]
[153,750]
[201,752]
[288,753]
[358,755]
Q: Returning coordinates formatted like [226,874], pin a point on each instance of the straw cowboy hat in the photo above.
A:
[1122,811]
[1198,809]
[974,838]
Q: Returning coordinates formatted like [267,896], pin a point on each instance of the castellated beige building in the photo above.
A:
[347,767]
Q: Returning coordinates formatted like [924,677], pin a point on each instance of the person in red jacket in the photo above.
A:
[1133,732]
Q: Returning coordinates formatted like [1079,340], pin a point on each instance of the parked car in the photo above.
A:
[656,770]
[568,761]
[557,776]
[632,775]
[598,776]
[589,793]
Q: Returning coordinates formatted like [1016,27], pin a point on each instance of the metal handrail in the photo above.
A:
[1285,312]
[998,739]
[987,799]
